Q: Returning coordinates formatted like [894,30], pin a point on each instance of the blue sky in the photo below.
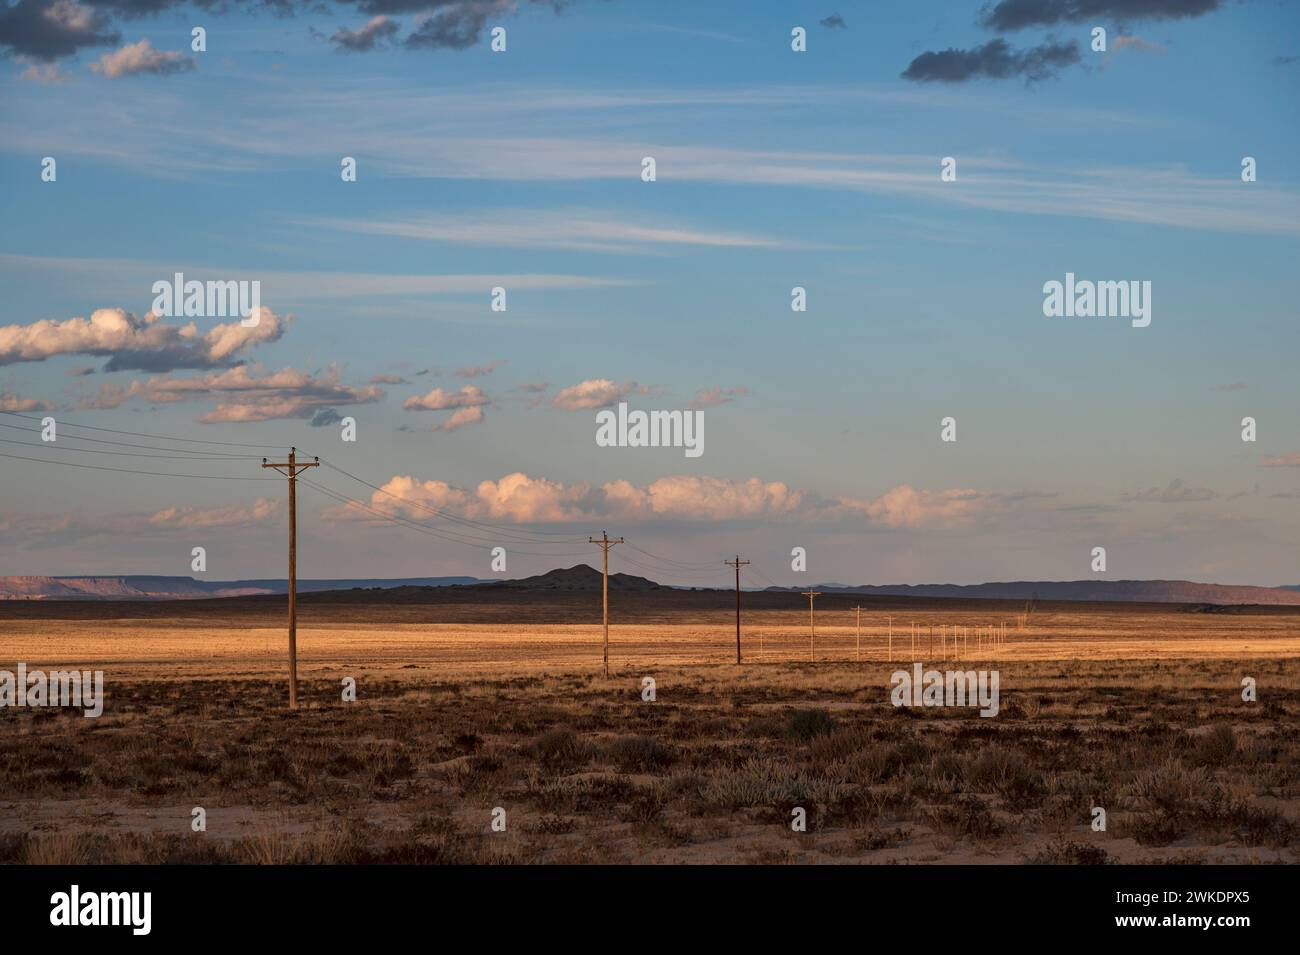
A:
[775,169]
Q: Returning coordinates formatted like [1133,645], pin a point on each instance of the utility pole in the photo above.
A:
[605,544]
[737,563]
[857,654]
[293,467]
[812,627]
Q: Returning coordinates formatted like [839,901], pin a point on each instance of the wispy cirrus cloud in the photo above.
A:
[575,229]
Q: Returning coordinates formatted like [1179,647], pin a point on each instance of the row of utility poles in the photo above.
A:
[293,467]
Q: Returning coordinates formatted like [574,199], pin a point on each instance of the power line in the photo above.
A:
[103,467]
[128,444]
[139,434]
[52,446]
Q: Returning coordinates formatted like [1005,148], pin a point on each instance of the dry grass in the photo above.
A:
[590,773]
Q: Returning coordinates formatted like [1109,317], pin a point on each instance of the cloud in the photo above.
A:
[519,498]
[457,26]
[461,418]
[834,21]
[700,497]
[995,59]
[388,379]
[140,344]
[1135,43]
[1174,493]
[242,395]
[908,507]
[477,371]
[577,229]
[441,400]
[1291,460]
[135,59]
[201,517]
[11,402]
[1229,386]
[46,74]
[50,29]
[1019,14]
[709,397]
[324,418]
[595,393]
[378,31]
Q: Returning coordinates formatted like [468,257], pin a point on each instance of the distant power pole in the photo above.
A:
[812,627]
[605,544]
[857,654]
[293,467]
[737,563]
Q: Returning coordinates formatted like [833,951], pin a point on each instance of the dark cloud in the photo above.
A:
[834,21]
[325,417]
[378,31]
[994,60]
[1285,60]
[51,29]
[1019,14]
[457,27]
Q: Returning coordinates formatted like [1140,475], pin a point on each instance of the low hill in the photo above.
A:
[148,587]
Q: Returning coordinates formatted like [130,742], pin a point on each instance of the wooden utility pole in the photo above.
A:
[737,563]
[812,627]
[605,544]
[857,654]
[293,467]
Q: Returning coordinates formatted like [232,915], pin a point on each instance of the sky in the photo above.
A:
[522,169]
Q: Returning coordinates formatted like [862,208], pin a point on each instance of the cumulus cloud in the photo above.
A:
[995,59]
[478,371]
[908,507]
[12,402]
[137,344]
[595,393]
[520,498]
[1175,492]
[139,58]
[231,516]
[387,380]
[709,397]
[241,394]
[51,29]
[439,399]
[461,418]
[378,31]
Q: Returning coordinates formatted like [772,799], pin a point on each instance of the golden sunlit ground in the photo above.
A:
[1139,712]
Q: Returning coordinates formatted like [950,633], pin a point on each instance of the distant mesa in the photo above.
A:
[584,578]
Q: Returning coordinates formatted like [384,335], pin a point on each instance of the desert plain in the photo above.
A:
[474,708]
